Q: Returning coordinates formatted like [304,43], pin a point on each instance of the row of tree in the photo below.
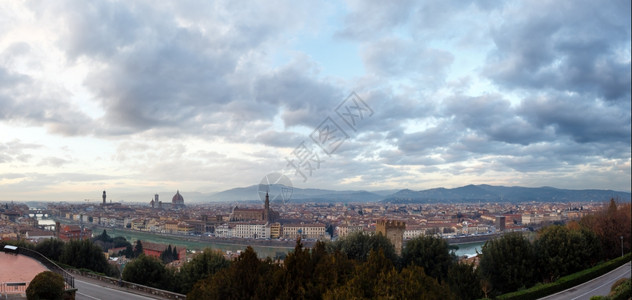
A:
[151,271]
[76,253]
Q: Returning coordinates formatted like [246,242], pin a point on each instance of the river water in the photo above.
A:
[467,249]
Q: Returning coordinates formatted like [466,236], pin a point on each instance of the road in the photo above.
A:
[91,291]
[599,286]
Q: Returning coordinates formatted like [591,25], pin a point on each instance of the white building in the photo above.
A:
[251,230]
[224,231]
[305,231]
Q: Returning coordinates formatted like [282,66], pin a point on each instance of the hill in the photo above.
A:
[490,193]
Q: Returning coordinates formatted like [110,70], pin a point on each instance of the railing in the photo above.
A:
[131,285]
[69,279]
[13,287]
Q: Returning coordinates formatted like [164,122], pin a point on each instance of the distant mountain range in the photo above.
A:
[490,193]
[469,193]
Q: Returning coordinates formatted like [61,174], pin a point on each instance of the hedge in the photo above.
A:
[566,282]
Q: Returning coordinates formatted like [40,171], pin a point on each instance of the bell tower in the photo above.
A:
[267,208]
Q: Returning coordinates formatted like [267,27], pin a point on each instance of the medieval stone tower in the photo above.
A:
[394,231]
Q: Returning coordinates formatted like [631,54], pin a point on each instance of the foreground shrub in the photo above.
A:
[46,285]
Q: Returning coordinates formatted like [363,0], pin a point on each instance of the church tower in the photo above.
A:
[104,197]
[266,212]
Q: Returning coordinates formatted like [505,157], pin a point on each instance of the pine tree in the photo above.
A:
[138,250]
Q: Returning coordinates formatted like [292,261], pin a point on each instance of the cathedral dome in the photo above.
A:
[177,198]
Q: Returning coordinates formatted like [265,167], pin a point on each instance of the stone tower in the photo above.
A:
[104,197]
[394,231]
[266,212]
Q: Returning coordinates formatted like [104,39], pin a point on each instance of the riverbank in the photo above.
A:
[264,248]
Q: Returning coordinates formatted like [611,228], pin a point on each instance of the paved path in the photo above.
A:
[91,289]
[19,268]
[599,286]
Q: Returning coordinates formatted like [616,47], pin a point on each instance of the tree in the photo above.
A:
[330,230]
[174,254]
[561,251]
[51,248]
[104,237]
[46,285]
[464,281]
[120,241]
[411,283]
[431,253]
[239,281]
[201,266]
[147,270]
[167,255]
[609,225]
[357,245]
[507,263]
[138,249]
[128,252]
[366,277]
[84,254]
[298,269]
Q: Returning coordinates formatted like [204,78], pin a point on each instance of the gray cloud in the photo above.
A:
[568,46]
[583,120]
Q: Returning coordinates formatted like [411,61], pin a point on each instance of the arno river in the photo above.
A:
[468,249]
[263,251]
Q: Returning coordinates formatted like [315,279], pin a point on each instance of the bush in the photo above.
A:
[621,290]
[46,285]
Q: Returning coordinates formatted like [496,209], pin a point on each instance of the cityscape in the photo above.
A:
[339,149]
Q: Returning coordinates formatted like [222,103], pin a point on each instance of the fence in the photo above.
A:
[69,279]
[13,287]
[130,285]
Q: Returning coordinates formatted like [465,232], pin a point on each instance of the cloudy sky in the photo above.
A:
[138,97]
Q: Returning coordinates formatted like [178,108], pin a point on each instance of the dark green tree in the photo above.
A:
[129,251]
[201,266]
[167,255]
[431,253]
[410,283]
[357,246]
[147,270]
[508,263]
[46,285]
[138,249]
[464,281]
[120,241]
[330,230]
[239,281]
[51,248]
[84,254]
[561,251]
[365,279]
[104,237]
[299,268]
[174,254]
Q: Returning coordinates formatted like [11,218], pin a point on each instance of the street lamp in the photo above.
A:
[621,246]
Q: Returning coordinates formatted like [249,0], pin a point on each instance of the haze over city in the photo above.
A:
[143,97]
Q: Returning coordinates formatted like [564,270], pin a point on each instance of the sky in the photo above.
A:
[140,97]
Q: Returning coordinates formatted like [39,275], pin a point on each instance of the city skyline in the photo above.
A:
[146,97]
